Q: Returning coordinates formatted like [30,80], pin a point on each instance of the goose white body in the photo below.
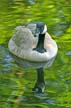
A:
[23,42]
[32,47]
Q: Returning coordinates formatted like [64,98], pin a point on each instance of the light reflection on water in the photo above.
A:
[15,83]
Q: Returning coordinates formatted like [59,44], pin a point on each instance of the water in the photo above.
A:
[15,83]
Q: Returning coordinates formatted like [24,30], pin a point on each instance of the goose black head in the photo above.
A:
[41,28]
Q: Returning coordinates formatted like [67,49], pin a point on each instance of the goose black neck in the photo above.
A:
[40,43]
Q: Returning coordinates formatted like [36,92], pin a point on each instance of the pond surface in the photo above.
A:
[15,83]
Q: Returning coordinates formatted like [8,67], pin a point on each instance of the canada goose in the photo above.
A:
[33,46]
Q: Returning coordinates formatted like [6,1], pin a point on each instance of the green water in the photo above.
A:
[16,83]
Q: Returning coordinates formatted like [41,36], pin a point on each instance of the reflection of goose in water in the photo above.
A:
[32,47]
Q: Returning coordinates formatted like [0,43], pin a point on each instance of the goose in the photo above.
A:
[32,47]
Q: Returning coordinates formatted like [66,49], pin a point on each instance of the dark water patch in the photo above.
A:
[68,53]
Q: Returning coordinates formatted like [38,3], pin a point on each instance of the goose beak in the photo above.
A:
[36,35]
[37,32]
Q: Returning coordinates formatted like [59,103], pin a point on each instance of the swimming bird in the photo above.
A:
[32,47]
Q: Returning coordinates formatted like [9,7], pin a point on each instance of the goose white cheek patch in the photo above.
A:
[45,29]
